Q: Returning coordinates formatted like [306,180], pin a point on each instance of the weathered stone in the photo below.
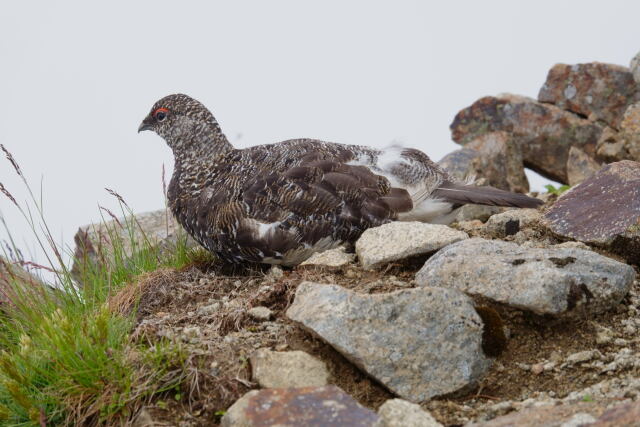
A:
[260,313]
[627,414]
[547,416]
[544,132]
[293,407]
[97,242]
[497,158]
[603,210]
[400,413]
[476,212]
[510,222]
[635,67]
[399,338]
[610,147]
[273,369]
[400,240]
[552,281]
[580,166]
[595,90]
[630,131]
[337,257]
[144,419]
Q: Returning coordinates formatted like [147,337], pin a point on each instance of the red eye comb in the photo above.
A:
[160,110]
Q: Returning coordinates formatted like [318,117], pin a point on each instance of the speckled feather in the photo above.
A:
[280,203]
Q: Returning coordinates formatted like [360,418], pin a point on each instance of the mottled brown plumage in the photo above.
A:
[280,203]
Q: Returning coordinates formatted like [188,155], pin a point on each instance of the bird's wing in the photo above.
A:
[317,198]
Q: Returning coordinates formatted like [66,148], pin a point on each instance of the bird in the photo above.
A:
[280,203]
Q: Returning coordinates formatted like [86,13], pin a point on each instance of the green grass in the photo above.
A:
[557,191]
[65,358]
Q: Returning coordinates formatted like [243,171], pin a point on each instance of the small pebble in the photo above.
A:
[260,313]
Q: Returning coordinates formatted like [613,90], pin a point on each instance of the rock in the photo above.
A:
[585,212]
[96,242]
[546,416]
[400,413]
[476,212]
[144,419]
[552,281]
[629,133]
[273,369]
[510,222]
[292,407]
[583,356]
[497,158]
[544,132]
[400,240]
[580,166]
[399,338]
[627,414]
[337,257]
[14,277]
[610,148]
[635,67]
[595,90]
[260,313]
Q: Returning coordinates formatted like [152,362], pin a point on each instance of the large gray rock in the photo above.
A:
[275,369]
[126,235]
[544,132]
[595,90]
[551,281]
[419,343]
[399,240]
[603,210]
[494,156]
[294,407]
[400,413]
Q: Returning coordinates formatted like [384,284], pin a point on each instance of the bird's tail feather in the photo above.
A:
[460,194]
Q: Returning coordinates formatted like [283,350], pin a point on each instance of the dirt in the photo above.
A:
[205,309]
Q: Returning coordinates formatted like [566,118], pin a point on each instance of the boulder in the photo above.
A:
[595,90]
[627,414]
[580,166]
[419,343]
[399,240]
[292,407]
[635,67]
[610,147]
[335,258]
[126,235]
[586,213]
[554,281]
[544,132]
[630,131]
[400,413]
[496,157]
[274,369]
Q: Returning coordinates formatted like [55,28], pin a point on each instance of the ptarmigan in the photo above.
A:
[280,203]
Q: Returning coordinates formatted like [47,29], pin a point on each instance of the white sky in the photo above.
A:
[77,77]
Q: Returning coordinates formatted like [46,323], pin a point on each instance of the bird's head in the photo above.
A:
[184,123]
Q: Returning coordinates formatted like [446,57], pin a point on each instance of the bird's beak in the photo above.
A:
[147,124]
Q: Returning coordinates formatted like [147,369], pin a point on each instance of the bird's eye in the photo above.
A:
[160,114]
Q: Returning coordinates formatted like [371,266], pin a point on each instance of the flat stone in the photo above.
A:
[399,240]
[337,257]
[553,281]
[627,414]
[603,210]
[275,369]
[497,158]
[580,166]
[595,90]
[400,413]
[260,313]
[544,132]
[399,338]
[293,407]
[547,416]
[510,222]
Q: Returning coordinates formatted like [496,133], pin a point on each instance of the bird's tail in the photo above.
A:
[460,194]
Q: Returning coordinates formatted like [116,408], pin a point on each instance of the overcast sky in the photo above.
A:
[77,77]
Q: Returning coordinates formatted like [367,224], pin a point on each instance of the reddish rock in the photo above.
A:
[494,156]
[603,210]
[596,90]
[546,416]
[630,131]
[622,415]
[544,132]
[307,406]
[580,166]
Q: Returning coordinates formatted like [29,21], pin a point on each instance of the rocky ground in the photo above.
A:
[505,318]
